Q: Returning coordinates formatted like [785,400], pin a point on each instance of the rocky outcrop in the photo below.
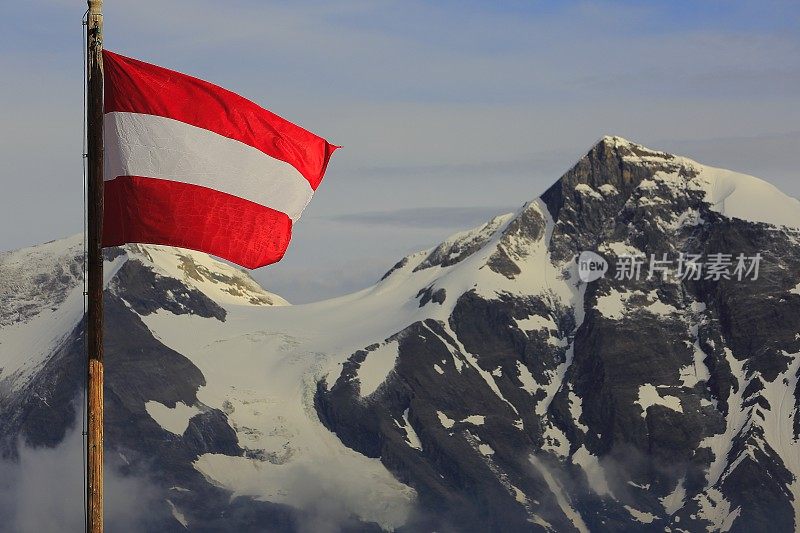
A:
[647,403]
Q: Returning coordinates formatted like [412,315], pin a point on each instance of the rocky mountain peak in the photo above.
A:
[629,148]
[51,269]
[42,294]
[217,279]
[618,181]
[617,185]
[610,170]
[670,398]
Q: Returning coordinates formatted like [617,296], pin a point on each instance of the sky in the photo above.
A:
[449,112]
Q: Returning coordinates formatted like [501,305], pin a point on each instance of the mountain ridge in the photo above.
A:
[480,385]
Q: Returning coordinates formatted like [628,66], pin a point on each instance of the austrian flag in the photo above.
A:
[192,165]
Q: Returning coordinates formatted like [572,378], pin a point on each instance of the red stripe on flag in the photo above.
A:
[157,211]
[138,87]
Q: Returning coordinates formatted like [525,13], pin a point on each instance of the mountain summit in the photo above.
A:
[481,385]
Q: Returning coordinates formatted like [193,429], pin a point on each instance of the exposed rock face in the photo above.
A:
[479,386]
[653,415]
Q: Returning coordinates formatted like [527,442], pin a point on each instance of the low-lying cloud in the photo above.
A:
[426,217]
[44,491]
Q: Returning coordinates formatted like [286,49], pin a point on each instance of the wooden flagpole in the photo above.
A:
[94,320]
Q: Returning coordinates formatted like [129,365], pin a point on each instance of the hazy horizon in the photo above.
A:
[447,111]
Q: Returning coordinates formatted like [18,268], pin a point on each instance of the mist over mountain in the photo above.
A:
[481,385]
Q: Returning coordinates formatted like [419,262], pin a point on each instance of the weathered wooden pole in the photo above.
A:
[94,319]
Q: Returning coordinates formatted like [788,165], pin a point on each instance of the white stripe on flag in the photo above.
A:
[150,146]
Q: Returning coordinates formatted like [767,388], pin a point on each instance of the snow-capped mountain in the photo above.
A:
[479,386]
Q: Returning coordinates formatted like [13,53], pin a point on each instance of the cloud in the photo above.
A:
[328,500]
[426,217]
[437,104]
[43,491]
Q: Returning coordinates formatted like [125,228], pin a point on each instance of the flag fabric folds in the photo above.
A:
[193,165]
